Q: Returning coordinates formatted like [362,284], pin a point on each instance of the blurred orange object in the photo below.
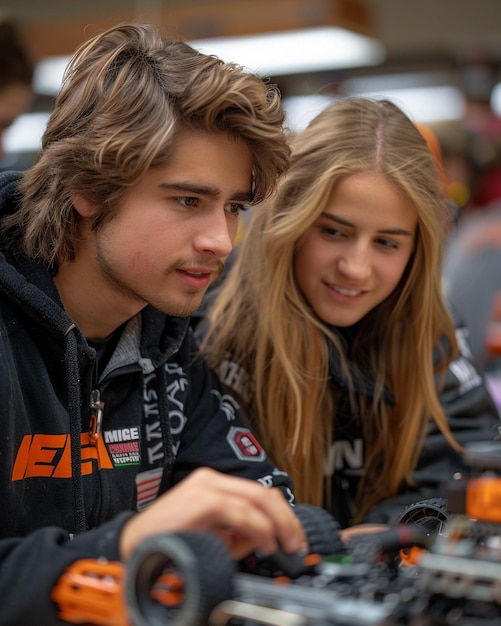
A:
[493,329]
[436,150]
[91,592]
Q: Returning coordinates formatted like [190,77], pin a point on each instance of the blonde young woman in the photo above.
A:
[332,329]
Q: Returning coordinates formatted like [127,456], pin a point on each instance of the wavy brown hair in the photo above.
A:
[125,95]
[261,321]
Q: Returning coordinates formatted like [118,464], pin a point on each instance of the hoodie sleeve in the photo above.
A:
[465,397]
[215,433]
[32,566]
[472,416]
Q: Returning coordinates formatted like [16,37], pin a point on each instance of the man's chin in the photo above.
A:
[182,309]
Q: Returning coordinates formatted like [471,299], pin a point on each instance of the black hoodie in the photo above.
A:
[472,416]
[64,497]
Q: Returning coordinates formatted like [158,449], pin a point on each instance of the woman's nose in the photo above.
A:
[355,263]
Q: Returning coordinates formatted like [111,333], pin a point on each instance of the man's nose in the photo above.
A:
[216,237]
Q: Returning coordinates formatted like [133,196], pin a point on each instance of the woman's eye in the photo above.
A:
[333,232]
[387,243]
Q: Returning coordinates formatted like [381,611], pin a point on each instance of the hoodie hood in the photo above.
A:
[29,284]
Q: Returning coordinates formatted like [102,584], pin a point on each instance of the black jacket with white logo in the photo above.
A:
[472,417]
[160,413]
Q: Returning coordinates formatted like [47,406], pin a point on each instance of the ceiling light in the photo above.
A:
[425,96]
[300,110]
[421,104]
[25,133]
[427,104]
[496,100]
[271,54]
[48,75]
[297,51]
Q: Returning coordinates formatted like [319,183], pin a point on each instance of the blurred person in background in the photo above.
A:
[16,76]
[472,261]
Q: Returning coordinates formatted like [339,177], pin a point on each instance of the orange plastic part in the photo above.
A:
[483,499]
[169,590]
[90,591]
[411,556]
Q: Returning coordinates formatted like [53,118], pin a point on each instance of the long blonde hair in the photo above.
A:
[261,321]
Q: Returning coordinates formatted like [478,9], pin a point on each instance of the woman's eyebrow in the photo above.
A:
[385,231]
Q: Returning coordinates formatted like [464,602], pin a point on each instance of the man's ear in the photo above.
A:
[82,206]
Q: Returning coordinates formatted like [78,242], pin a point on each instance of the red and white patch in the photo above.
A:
[148,486]
[245,444]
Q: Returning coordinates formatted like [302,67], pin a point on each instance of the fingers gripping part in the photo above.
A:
[321,529]
[322,532]
[175,578]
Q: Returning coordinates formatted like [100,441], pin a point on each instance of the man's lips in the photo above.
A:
[199,278]
[197,273]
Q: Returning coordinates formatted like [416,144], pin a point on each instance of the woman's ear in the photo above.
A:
[82,206]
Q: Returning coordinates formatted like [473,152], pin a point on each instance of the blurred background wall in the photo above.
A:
[450,47]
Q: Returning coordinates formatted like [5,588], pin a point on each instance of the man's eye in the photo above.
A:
[235,209]
[188,202]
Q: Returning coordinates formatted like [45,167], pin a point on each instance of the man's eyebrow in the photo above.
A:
[384,231]
[205,190]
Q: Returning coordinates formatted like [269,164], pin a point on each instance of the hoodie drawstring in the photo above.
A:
[165,420]
[74,403]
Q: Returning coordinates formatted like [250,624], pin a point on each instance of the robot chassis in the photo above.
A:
[439,566]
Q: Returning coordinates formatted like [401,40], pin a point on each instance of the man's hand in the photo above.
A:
[246,515]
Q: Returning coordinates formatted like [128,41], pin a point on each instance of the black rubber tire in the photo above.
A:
[430,514]
[203,563]
[321,529]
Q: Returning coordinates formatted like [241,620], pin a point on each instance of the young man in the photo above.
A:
[109,242]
